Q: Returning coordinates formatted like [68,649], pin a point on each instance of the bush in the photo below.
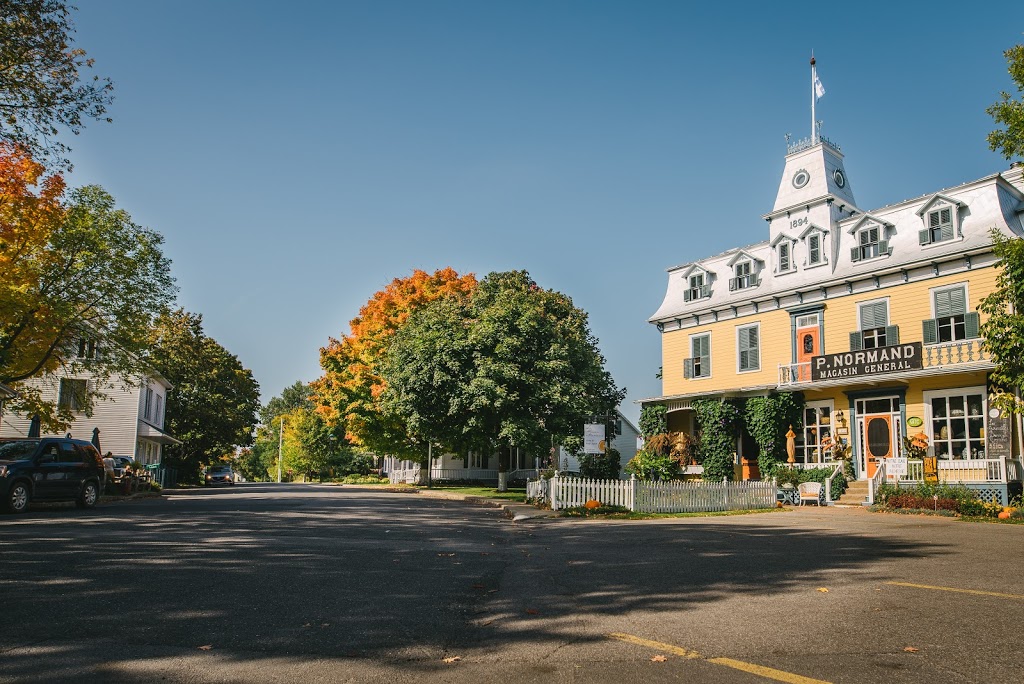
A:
[649,466]
[584,512]
[364,479]
[600,466]
[930,497]
[793,476]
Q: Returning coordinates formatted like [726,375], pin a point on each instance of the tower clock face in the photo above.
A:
[801,178]
[839,178]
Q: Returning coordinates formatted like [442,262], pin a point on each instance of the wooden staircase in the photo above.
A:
[856,494]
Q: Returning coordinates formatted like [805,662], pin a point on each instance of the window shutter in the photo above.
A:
[883,247]
[856,341]
[873,315]
[814,249]
[957,301]
[972,324]
[704,291]
[855,254]
[687,295]
[744,348]
[688,369]
[892,335]
[733,283]
[924,236]
[931,331]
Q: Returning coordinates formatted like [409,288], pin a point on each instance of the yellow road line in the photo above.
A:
[767,672]
[957,591]
[760,670]
[656,645]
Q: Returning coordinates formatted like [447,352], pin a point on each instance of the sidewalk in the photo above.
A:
[517,512]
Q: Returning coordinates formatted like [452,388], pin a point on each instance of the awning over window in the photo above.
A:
[155,434]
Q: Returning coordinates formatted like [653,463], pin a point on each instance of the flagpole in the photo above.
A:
[814,96]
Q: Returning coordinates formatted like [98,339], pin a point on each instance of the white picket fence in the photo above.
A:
[653,497]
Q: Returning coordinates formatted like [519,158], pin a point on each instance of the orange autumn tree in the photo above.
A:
[351,387]
[30,214]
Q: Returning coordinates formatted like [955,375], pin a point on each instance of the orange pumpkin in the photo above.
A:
[592,503]
[1004,515]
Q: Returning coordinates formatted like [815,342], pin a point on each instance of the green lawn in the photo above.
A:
[513,494]
[654,516]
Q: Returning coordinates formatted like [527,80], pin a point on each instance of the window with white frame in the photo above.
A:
[817,428]
[147,404]
[699,363]
[744,276]
[748,347]
[939,226]
[957,422]
[869,244]
[698,288]
[875,330]
[158,414]
[952,322]
[785,252]
[814,249]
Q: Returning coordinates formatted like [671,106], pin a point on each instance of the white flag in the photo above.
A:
[819,90]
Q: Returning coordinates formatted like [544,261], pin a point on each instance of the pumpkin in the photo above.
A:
[592,503]
[1004,515]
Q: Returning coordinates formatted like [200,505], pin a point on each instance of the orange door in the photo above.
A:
[878,435]
[808,344]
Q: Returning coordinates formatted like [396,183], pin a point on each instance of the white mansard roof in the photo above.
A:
[995,201]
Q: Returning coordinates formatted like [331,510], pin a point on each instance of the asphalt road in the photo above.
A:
[286,583]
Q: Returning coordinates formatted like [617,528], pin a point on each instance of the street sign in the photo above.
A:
[593,438]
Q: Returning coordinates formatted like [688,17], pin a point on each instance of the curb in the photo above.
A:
[517,512]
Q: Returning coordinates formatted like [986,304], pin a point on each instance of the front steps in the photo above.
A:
[856,494]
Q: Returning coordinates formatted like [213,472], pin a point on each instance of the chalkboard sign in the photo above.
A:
[998,441]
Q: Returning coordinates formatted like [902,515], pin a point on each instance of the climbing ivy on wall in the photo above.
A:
[653,420]
[717,421]
[767,420]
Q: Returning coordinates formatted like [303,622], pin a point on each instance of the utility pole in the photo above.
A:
[280,444]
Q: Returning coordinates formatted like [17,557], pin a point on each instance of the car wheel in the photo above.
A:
[18,498]
[89,496]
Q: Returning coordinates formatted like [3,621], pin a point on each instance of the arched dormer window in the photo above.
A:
[745,270]
[814,246]
[698,283]
[870,238]
[785,261]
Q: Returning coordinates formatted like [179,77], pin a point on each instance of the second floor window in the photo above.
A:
[875,330]
[744,277]
[748,348]
[699,363]
[72,394]
[147,406]
[952,322]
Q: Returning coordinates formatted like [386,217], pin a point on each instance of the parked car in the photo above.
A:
[220,475]
[49,469]
[123,467]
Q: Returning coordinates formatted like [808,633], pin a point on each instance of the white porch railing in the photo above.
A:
[960,470]
[411,475]
[935,356]
[654,497]
[828,482]
[813,466]
[875,482]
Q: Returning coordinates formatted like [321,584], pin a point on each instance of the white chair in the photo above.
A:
[810,491]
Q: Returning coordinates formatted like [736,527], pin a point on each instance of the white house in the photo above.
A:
[129,415]
[625,441]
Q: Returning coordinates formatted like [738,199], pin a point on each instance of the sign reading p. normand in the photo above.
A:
[855,364]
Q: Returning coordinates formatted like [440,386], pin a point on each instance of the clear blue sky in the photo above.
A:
[298,156]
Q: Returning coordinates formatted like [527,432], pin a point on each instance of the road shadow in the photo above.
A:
[261,571]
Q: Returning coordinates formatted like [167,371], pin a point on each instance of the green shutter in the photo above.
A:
[972,323]
[892,335]
[958,301]
[931,330]
[855,254]
[883,247]
[874,315]
[924,236]
[688,369]
[856,341]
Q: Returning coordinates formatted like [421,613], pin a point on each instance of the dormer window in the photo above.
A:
[698,288]
[813,249]
[744,276]
[939,226]
[869,244]
[785,257]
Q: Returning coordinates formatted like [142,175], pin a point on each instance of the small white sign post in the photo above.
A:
[593,438]
[895,468]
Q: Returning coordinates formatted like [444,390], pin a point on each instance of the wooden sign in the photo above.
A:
[853,364]
[931,470]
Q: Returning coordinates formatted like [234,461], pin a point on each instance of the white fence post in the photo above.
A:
[632,492]
[554,491]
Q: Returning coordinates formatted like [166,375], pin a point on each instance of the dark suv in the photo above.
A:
[49,469]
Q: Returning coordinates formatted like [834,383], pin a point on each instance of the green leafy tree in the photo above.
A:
[43,85]
[767,419]
[513,365]
[213,406]
[99,281]
[1009,112]
[717,421]
[1004,328]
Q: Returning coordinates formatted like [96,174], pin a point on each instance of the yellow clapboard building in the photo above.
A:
[870,314]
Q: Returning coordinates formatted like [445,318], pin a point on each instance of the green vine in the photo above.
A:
[717,421]
[653,420]
[767,420]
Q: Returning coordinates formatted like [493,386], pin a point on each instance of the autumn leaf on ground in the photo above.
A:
[532,611]
[823,590]
[911,649]
[207,647]
[658,659]
[452,659]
